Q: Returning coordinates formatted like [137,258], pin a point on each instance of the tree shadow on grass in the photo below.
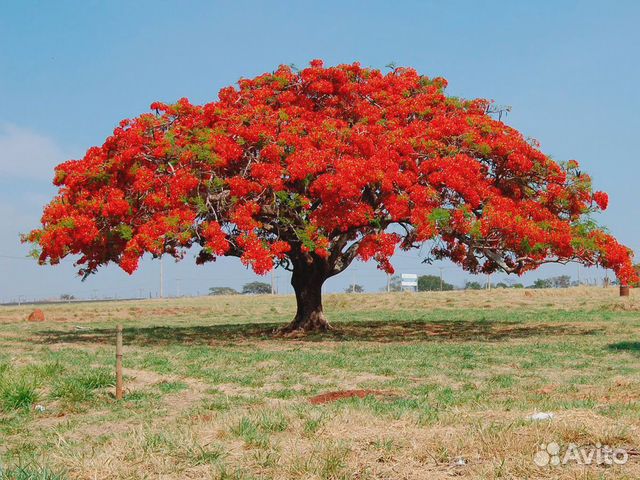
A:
[373,331]
[625,347]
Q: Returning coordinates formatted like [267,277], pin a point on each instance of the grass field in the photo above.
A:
[210,393]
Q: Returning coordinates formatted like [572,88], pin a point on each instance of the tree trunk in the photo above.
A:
[307,283]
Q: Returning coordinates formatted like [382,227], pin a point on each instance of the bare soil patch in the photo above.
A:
[341,395]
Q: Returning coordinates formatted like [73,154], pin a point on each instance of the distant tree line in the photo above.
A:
[251,288]
[561,281]
[474,285]
[355,288]
[426,283]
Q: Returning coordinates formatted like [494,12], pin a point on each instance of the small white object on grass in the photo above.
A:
[39,408]
[459,462]
[541,416]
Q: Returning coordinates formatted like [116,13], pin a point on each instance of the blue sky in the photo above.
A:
[69,71]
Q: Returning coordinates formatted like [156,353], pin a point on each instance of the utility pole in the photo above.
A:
[273,283]
[388,283]
[353,281]
[441,268]
[161,279]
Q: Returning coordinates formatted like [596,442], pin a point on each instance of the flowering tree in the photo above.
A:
[308,170]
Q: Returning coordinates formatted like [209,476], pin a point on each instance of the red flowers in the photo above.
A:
[381,247]
[601,199]
[243,216]
[303,165]
[215,239]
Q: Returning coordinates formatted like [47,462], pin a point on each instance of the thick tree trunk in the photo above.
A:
[307,283]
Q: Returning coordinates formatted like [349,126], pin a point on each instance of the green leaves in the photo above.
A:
[306,237]
[67,222]
[290,199]
[124,231]
[440,217]
[283,115]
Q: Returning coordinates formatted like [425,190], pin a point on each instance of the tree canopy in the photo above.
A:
[354,288]
[472,285]
[310,169]
[560,281]
[430,283]
[256,288]
[222,291]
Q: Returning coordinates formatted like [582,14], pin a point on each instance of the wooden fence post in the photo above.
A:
[119,362]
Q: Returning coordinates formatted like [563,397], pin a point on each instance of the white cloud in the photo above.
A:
[25,154]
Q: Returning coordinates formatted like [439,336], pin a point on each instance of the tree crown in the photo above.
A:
[428,283]
[326,164]
[256,288]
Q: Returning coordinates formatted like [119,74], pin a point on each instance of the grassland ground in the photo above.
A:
[212,394]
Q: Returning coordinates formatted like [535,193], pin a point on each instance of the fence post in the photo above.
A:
[119,362]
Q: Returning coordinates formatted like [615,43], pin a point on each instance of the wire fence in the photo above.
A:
[189,284]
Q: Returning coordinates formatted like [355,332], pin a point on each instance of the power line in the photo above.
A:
[10,257]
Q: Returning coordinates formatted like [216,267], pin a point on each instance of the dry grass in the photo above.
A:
[228,308]
[211,394]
